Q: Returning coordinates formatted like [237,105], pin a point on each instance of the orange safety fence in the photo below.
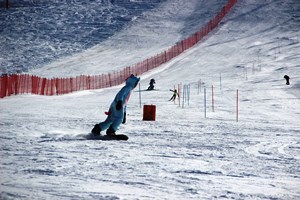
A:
[23,83]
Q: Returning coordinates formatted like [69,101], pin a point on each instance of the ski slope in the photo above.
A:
[145,36]
[181,155]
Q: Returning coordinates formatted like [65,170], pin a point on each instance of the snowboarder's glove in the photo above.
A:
[119,105]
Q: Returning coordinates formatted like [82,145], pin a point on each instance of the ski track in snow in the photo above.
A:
[181,155]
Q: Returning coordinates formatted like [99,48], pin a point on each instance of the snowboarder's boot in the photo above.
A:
[96,130]
[110,131]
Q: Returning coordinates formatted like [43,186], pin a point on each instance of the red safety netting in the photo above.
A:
[24,83]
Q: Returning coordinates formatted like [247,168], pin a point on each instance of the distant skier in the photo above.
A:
[175,93]
[117,111]
[287,78]
[151,84]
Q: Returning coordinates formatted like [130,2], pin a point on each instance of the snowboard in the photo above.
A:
[90,136]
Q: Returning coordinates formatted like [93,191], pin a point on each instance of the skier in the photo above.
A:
[151,84]
[117,111]
[287,78]
[175,93]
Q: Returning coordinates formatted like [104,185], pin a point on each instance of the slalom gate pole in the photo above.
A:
[204,102]
[183,96]
[237,105]
[140,95]
[179,91]
[185,93]
[212,99]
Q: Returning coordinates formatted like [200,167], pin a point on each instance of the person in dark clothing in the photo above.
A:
[151,84]
[287,78]
[175,93]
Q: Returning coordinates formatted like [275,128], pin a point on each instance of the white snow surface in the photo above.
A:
[181,155]
[154,32]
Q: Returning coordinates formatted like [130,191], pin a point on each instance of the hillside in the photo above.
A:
[183,154]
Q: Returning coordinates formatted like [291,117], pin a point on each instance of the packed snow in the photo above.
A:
[186,153]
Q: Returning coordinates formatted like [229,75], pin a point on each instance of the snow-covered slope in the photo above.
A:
[36,33]
[181,155]
[147,35]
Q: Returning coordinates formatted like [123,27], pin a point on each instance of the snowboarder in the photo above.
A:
[117,111]
[175,93]
[287,78]
[151,84]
